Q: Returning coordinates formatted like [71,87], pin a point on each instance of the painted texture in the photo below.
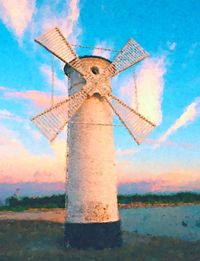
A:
[92,190]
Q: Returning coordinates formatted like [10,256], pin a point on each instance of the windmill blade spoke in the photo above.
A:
[138,126]
[131,54]
[55,42]
[52,121]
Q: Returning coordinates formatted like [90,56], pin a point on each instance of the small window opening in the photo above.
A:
[95,70]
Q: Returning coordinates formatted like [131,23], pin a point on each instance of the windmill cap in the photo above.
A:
[94,56]
[67,66]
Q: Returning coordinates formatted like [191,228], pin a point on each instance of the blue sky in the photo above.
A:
[168,30]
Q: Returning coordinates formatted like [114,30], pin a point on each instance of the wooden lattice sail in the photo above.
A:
[52,121]
[137,125]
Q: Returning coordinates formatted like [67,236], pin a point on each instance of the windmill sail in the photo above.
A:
[131,54]
[138,126]
[56,43]
[52,121]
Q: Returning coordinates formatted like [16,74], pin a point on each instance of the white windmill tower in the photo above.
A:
[92,218]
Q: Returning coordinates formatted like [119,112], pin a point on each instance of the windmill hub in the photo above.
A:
[92,213]
[95,66]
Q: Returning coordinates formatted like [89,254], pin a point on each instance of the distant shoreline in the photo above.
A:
[120,205]
[15,203]
[144,205]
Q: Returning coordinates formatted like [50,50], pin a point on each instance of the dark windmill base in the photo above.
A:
[93,235]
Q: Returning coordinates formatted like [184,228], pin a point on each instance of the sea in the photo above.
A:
[181,222]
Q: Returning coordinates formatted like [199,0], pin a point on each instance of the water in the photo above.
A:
[179,222]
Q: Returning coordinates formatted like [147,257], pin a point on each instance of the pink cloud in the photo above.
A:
[39,99]
[16,15]
[44,167]
[174,180]
[51,167]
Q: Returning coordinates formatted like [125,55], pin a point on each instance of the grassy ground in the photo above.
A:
[43,240]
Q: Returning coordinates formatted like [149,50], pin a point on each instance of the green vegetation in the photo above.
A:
[58,201]
[180,197]
[54,201]
[41,240]
[15,209]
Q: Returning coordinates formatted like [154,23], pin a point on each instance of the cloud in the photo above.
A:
[72,30]
[3,88]
[98,50]
[171,46]
[44,167]
[127,172]
[191,113]
[50,167]
[16,15]
[193,48]
[7,115]
[149,82]
[133,179]
[177,180]
[66,18]
[127,90]
[59,85]
[126,152]
[170,143]
[35,134]
[143,91]
[39,99]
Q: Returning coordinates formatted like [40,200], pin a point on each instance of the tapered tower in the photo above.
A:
[92,189]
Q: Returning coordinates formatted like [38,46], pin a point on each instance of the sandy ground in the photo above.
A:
[56,215]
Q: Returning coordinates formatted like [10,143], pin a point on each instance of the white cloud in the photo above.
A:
[72,30]
[193,48]
[150,84]
[191,113]
[171,46]
[66,19]
[7,115]
[147,85]
[129,152]
[16,15]
[98,50]
[127,90]
[59,85]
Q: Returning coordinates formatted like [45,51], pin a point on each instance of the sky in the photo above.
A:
[167,84]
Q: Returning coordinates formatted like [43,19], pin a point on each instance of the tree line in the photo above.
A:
[58,201]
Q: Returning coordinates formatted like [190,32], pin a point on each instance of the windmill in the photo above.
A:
[92,215]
